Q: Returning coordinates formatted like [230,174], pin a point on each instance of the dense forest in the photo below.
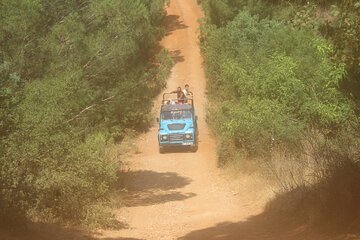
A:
[285,76]
[75,76]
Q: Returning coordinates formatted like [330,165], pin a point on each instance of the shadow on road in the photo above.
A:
[173,23]
[119,238]
[255,228]
[287,217]
[176,56]
[145,180]
[41,231]
[326,210]
[262,227]
[144,188]
[51,232]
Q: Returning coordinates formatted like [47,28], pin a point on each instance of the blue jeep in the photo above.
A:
[177,124]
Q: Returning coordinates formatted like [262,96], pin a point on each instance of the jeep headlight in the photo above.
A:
[188,136]
[164,137]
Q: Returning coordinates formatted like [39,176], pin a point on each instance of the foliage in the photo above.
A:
[272,92]
[74,75]
[338,21]
[345,33]
[282,73]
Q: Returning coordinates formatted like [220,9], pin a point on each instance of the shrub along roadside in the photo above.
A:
[277,99]
[272,92]
[338,21]
[75,75]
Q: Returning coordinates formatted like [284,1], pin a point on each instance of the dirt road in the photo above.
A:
[173,194]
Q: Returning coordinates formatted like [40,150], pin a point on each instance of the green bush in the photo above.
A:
[277,71]
[74,76]
[336,20]
[274,83]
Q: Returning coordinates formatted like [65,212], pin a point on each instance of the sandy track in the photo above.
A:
[172,194]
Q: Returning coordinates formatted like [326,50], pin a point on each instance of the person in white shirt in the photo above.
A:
[186,90]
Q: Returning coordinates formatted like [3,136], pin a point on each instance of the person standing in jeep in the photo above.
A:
[180,95]
[186,90]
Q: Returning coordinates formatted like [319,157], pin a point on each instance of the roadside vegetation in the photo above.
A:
[75,76]
[283,81]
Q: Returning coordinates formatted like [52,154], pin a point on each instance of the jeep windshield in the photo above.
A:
[176,115]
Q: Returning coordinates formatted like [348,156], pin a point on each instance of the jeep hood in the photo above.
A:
[177,126]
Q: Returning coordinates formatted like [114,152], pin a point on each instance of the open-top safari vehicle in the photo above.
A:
[177,123]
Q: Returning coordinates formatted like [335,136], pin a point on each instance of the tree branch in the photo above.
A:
[88,108]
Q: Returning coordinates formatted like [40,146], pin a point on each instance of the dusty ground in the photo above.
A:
[175,193]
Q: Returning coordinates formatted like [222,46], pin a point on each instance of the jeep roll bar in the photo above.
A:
[187,99]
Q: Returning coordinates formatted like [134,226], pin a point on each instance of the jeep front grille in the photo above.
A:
[176,137]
